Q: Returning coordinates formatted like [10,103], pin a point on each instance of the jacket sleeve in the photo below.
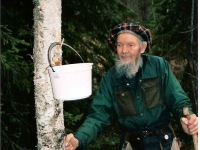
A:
[174,95]
[100,115]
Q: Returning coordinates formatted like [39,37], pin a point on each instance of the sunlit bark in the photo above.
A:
[49,112]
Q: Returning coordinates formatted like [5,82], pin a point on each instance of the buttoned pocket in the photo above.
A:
[126,102]
[151,92]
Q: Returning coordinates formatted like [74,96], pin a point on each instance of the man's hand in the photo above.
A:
[71,143]
[190,126]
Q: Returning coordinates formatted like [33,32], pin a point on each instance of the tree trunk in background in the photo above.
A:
[141,7]
[49,112]
[194,63]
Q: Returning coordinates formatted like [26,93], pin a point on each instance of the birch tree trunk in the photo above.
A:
[49,111]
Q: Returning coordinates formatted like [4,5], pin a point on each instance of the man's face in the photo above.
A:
[129,47]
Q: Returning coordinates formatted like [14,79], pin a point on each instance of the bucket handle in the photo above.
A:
[59,43]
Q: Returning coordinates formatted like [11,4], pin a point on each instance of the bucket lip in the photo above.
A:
[76,64]
[78,67]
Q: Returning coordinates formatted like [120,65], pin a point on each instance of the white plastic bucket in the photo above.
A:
[71,82]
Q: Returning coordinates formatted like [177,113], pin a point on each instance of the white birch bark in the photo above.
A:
[49,112]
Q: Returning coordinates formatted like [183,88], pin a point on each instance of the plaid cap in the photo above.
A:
[134,27]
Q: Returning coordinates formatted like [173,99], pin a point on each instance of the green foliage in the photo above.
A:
[175,37]
[72,119]
[16,87]
[110,139]
[171,27]
[18,130]
[13,64]
[172,39]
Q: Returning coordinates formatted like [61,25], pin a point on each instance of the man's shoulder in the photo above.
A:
[111,71]
[154,59]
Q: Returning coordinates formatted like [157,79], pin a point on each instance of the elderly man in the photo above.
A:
[140,92]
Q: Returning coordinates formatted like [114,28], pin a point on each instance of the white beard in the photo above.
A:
[129,69]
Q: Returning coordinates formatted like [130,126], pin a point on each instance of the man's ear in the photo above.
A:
[144,46]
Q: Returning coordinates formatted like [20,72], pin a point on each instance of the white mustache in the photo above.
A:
[125,55]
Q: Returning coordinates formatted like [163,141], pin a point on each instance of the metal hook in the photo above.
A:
[59,43]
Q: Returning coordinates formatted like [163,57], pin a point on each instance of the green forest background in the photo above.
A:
[85,26]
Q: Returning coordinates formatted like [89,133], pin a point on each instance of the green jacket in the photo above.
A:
[143,103]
